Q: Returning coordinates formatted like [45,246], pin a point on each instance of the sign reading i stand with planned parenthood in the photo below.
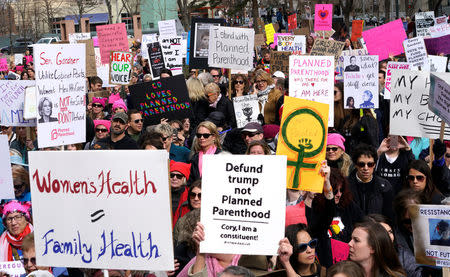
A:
[102,210]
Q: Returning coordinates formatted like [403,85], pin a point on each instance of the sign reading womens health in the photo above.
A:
[361,82]
[120,68]
[312,78]
[409,113]
[246,109]
[12,96]
[431,225]
[415,52]
[303,139]
[323,17]
[243,204]
[101,209]
[61,93]
[6,180]
[392,66]
[112,37]
[440,95]
[231,48]
[393,35]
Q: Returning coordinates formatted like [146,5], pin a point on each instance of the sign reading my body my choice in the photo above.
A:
[113,215]
[243,204]
[61,89]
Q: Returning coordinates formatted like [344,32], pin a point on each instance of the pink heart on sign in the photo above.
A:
[323,14]
[312,84]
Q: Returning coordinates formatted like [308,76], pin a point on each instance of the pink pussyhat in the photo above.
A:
[16,206]
[336,139]
[100,100]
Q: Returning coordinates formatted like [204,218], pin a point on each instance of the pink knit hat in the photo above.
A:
[16,206]
[100,100]
[119,104]
[105,123]
[336,139]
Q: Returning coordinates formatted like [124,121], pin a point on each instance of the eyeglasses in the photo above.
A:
[216,76]
[178,176]
[337,190]
[303,246]
[363,164]
[118,120]
[336,92]
[250,135]
[333,149]
[411,178]
[19,186]
[97,105]
[4,127]
[101,130]
[447,155]
[138,120]
[260,81]
[194,195]
[165,138]
[239,82]
[16,218]
[26,260]
[198,135]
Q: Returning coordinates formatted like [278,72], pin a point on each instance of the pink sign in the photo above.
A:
[323,17]
[4,64]
[385,40]
[275,38]
[95,41]
[339,250]
[111,37]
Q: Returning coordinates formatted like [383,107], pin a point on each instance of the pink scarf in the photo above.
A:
[212,266]
[210,151]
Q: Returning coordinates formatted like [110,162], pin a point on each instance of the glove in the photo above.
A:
[439,149]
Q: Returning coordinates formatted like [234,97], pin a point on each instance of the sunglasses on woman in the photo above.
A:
[411,178]
[334,149]
[239,82]
[198,135]
[303,246]
[363,164]
[97,105]
[194,195]
[178,176]
[101,130]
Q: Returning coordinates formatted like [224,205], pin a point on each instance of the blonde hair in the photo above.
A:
[195,89]
[264,76]
[212,88]
[213,129]
[19,172]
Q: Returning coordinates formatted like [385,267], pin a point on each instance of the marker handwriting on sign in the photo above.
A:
[60,59]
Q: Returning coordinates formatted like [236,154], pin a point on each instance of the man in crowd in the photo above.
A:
[118,139]
[252,132]
[136,122]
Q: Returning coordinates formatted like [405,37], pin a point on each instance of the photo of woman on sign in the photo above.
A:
[45,111]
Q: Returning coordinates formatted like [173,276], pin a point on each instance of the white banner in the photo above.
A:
[146,39]
[312,78]
[61,93]
[243,204]
[12,96]
[409,114]
[440,30]
[391,66]
[74,37]
[361,82]
[231,47]
[436,63]
[416,52]
[424,20]
[246,109]
[6,180]
[114,214]
[172,48]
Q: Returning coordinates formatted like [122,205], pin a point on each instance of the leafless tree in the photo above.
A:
[7,24]
[132,6]
[110,13]
[49,9]
[82,7]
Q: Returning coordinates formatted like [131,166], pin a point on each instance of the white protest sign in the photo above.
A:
[120,67]
[102,69]
[294,44]
[231,47]
[6,180]
[340,63]
[243,204]
[246,109]
[61,93]
[18,59]
[14,269]
[440,30]
[391,66]
[74,37]
[409,113]
[167,28]
[424,20]
[172,48]
[12,95]
[361,82]
[440,95]
[146,39]
[436,63]
[110,215]
[430,225]
[312,78]
[416,52]
[29,105]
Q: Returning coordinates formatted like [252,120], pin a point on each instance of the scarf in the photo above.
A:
[212,266]
[7,240]
[210,151]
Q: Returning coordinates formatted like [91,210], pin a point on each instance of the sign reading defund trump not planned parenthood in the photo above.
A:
[243,206]
[231,47]
[113,215]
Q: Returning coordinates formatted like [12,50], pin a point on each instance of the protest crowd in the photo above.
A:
[349,207]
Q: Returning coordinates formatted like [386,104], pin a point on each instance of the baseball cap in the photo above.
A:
[279,74]
[218,118]
[253,127]
[121,116]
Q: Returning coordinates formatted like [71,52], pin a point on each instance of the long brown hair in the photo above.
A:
[430,188]
[385,257]
[234,80]
[336,180]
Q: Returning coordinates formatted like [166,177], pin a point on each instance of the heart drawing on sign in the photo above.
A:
[323,14]
[312,84]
